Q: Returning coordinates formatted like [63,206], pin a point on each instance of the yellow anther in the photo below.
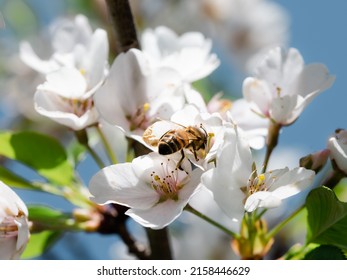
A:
[156,178]
[146,107]
[82,71]
[261,179]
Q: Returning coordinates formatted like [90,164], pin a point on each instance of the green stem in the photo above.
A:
[272,140]
[107,146]
[277,228]
[257,217]
[96,158]
[209,220]
[47,188]
[82,138]
[250,219]
[66,225]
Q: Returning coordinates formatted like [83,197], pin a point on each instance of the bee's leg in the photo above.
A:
[194,152]
[180,161]
[214,161]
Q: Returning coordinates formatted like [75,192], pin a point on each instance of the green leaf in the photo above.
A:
[40,242]
[327,218]
[325,252]
[40,152]
[14,180]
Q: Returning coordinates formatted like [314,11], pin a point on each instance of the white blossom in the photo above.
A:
[189,54]
[211,132]
[66,96]
[237,187]
[239,112]
[243,27]
[255,127]
[14,228]
[134,95]
[69,40]
[283,86]
[152,186]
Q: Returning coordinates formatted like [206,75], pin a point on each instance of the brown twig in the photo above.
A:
[123,25]
[126,38]
[114,222]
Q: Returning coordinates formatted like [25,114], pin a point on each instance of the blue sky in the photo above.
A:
[318,30]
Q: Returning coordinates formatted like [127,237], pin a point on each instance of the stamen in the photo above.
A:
[8,228]
[146,107]
[83,71]
[258,183]
[168,184]
[78,107]
[139,119]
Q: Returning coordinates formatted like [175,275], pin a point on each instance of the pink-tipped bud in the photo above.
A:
[315,161]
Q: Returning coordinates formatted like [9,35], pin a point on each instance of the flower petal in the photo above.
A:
[29,57]
[96,59]
[53,107]
[159,216]
[118,183]
[282,109]
[314,77]
[292,182]
[7,251]
[226,183]
[337,145]
[281,68]
[262,199]
[257,92]
[13,202]
[125,89]
[66,82]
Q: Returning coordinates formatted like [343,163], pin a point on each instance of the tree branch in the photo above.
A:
[123,25]
[126,38]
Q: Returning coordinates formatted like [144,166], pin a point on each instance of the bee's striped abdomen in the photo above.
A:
[171,142]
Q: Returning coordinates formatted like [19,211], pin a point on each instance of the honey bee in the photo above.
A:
[178,138]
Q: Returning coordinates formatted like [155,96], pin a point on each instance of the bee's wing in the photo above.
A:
[154,132]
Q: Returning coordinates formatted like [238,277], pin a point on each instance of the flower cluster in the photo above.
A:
[175,142]
[77,68]
[149,95]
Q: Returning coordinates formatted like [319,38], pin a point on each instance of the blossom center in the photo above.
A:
[258,183]
[167,183]
[140,118]
[78,107]
[8,228]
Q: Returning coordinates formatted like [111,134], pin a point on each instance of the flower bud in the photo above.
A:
[337,145]
[14,229]
[315,161]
